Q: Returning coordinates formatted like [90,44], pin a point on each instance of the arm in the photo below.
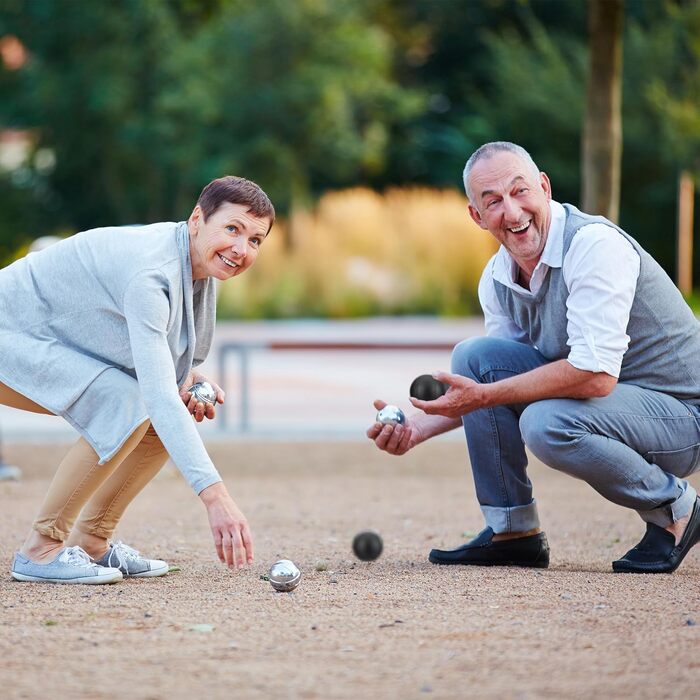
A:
[147,310]
[557,379]
[600,269]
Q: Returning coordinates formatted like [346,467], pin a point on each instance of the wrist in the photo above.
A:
[489,394]
[213,493]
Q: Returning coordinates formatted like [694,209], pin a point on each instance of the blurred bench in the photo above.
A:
[244,350]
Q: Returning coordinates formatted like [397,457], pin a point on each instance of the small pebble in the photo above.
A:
[202,628]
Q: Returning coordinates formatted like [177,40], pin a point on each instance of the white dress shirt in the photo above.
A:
[600,271]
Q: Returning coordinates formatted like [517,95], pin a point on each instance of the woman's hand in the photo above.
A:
[229,527]
[199,409]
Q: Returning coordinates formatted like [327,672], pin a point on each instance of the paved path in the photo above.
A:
[305,394]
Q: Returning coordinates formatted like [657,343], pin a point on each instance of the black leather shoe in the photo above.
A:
[658,553]
[532,550]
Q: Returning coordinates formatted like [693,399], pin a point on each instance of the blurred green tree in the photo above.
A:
[140,104]
[519,74]
[89,93]
[675,93]
[132,106]
[299,96]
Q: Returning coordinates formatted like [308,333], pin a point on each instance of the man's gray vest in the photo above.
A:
[664,348]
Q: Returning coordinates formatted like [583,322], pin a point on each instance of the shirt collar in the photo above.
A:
[505,270]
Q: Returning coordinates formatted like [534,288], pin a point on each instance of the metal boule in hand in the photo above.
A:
[427,388]
[204,392]
[391,415]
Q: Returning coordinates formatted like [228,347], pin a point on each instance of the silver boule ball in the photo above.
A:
[284,575]
[204,392]
[391,415]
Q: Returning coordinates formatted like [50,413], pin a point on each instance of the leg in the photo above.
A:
[496,448]
[9,397]
[632,446]
[78,476]
[105,508]
[8,472]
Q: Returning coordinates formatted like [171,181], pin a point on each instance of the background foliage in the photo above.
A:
[133,106]
[361,253]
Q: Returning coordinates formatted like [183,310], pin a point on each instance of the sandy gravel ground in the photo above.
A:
[395,628]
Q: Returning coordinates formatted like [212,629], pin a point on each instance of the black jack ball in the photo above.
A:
[427,388]
[367,545]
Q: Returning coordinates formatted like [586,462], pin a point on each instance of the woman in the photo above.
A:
[104,329]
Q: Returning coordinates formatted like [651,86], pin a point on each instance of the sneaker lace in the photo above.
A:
[124,554]
[75,556]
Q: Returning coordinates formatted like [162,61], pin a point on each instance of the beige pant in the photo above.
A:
[95,495]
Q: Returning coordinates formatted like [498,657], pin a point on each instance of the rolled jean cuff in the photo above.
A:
[512,519]
[668,514]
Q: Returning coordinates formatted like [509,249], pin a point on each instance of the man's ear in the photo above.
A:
[474,213]
[546,185]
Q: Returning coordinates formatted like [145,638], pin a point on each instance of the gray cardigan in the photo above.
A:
[102,328]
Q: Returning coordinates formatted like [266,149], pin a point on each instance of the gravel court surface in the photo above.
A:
[397,627]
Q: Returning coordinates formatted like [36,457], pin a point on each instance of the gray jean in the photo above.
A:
[634,446]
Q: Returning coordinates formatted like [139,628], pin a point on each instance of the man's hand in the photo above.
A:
[394,439]
[558,379]
[463,396]
[229,527]
[199,409]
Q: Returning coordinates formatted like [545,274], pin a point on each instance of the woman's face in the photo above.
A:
[227,243]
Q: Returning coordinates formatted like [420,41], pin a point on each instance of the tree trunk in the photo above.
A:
[602,128]
[684,249]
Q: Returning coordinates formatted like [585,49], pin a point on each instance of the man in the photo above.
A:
[590,359]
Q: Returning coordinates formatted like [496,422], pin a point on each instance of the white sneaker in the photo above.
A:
[71,565]
[131,563]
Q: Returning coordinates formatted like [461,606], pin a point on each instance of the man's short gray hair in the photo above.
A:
[490,149]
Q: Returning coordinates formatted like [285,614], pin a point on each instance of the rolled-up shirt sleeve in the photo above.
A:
[498,324]
[600,270]
[147,310]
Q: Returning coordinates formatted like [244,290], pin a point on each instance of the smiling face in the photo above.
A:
[511,202]
[227,243]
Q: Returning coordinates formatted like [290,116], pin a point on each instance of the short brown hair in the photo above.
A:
[236,190]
